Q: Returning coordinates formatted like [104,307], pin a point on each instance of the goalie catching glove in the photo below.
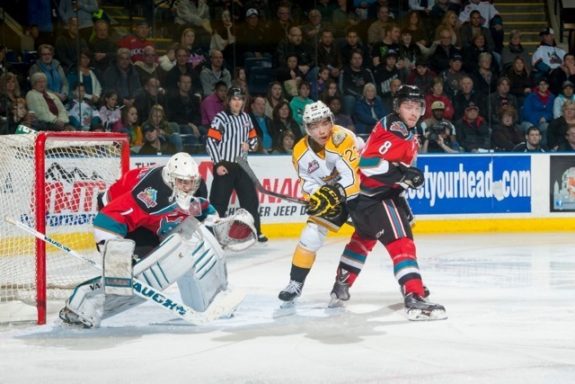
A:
[236,232]
[412,178]
[326,200]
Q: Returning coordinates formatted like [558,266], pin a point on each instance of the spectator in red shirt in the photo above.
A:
[137,41]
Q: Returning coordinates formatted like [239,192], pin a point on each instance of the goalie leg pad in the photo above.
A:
[118,267]
[208,277]
[177,254]
[86,304]
[163,267]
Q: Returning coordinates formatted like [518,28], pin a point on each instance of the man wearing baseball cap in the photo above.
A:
[439,133]
[566,93]
[547,56]
[452,75]
[472,130]
[138,40]
[386,72]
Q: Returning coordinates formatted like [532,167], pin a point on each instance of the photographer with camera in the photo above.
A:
[438,133]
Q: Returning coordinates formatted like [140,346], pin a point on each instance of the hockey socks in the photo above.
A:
[353,257]
[405,268]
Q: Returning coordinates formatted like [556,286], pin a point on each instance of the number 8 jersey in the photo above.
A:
[389,144]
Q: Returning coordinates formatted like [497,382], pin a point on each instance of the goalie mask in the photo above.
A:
[315,113]
[181,174]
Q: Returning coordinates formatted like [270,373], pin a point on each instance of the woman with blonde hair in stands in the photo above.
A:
[9,92]
[157,119]
[451,22]
[197,55]
[414,24]
[195,13]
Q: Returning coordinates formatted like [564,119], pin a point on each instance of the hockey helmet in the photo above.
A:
[314,113]
[181,166]
[236,92]
[409,93]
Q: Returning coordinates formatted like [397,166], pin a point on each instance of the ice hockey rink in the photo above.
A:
[510,301]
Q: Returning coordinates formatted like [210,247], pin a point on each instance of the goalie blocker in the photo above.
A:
[190,255]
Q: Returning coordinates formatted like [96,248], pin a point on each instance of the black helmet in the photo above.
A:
[236,92]
[408,92]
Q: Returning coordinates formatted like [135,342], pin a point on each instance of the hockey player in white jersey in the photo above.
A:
[156,209]
[326,161]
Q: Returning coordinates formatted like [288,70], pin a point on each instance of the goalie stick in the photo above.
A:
[148,292]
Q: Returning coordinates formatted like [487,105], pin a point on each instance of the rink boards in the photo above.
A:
[462,193]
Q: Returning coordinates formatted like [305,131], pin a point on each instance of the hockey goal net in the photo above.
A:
[50,181]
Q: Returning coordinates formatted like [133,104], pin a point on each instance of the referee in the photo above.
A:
[230,135]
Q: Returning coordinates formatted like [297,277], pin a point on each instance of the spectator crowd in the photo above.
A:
[484,90]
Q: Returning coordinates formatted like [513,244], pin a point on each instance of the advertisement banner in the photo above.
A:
[453,185]
[473,184]
[276,174]
[562,183]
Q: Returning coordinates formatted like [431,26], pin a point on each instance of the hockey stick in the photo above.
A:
[243,163]
[141,288]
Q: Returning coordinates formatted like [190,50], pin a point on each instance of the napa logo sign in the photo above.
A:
[473,184]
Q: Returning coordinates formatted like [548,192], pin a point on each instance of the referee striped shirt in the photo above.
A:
[226,135]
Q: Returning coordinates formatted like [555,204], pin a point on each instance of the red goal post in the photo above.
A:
[50,181]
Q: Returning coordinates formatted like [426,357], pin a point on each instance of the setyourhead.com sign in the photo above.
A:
[473,184]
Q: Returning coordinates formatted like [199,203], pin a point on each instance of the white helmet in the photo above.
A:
[316,112]
[181,166]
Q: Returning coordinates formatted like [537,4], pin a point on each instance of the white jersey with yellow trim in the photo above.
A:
[337,162]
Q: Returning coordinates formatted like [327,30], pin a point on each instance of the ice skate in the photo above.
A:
[71,318]
[291,292]
[426,291]
[340,290]
[418,308]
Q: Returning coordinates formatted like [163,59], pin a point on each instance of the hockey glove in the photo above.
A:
[412,178]
[326,199]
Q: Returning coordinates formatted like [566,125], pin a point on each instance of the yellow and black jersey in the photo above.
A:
[337,162]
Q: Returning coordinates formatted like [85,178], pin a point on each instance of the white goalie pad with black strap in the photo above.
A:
[208,275]
[190,247]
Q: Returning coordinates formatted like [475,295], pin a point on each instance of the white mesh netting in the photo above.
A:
[76,170]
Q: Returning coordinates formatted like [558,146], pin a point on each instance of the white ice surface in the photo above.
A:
[510,301]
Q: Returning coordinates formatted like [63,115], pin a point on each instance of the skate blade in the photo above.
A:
[420,315]
[286,308]
[71,320]
[335,302]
